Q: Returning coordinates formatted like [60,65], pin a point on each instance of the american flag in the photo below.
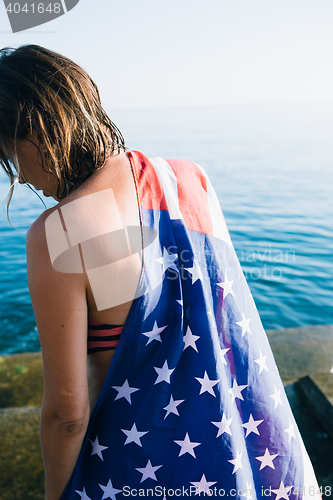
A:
[193,403]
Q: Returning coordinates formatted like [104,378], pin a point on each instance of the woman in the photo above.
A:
[192,400]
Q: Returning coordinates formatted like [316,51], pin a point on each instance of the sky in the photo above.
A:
[165,53]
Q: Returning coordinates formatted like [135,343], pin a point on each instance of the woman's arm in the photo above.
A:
[59,302]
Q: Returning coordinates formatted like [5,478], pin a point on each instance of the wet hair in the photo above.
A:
[46,92]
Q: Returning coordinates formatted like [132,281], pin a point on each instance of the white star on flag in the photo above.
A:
[282,492]
[168,260]
[290,431]
[148,471]
[237,462]
[207,384]
[244,324]
[186,446]
[190,339]
[277,397]
[223,426]
[109,491]
[223,353]
[227,287]
[133,435]
[163,374]
[261,362]
[124,391]
[97,448]
[172,406]
[252,426]
[267,460]
[236,391]
[83,494]
[195,271]
[203,485]
[154,334]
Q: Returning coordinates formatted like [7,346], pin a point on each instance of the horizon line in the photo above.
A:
[236,104]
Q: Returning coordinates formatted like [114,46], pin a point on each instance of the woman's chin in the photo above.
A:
[50,195]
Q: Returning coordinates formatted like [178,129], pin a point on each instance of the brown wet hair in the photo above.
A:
[46,92]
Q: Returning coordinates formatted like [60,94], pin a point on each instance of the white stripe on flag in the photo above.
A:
[220,229]
[168,181]
[310,489]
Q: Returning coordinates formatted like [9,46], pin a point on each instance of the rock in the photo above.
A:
[21,380]
[21,467]
[314,397]
[307,350]
[317,441]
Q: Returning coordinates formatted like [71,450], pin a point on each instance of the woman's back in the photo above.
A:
[95,218]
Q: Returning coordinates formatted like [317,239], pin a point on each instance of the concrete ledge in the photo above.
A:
[302,351]
[21,380]
[21,466]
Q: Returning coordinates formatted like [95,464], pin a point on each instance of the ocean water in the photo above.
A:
[272,169]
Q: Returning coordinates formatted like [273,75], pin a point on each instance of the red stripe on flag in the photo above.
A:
[192,196]
[149,187]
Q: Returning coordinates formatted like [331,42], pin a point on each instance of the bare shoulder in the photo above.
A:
[36,235]
[37,228]
[51,286]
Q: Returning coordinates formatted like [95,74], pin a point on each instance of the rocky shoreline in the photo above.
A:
[299,352]
[21,392]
